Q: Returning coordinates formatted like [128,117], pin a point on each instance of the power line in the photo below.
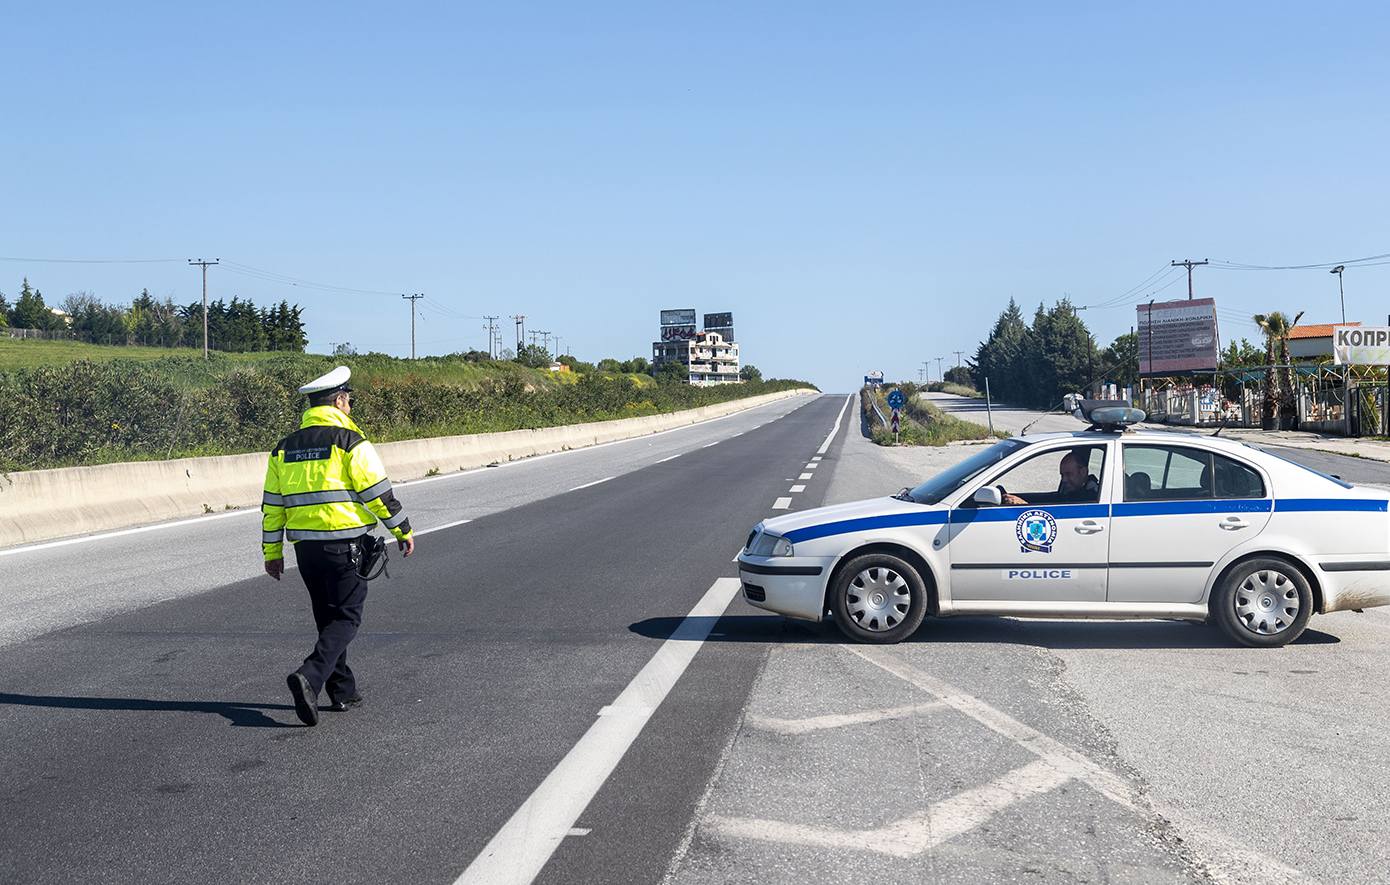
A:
[205,264]
[96,260]
[1188,263]
[412,299]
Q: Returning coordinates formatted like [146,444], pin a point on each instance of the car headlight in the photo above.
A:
[767,544]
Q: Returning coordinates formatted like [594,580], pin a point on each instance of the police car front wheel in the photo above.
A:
[1263,603]
[878,598]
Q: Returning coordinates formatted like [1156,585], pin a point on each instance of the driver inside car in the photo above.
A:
[1076,486]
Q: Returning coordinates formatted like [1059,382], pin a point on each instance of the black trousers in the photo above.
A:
[338,594]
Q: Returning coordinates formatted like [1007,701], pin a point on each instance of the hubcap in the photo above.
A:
[1267,602]
[878,599]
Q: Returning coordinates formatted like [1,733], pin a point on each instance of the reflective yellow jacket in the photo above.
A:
[325,482]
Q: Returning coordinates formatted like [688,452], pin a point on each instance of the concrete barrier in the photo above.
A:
[36,505]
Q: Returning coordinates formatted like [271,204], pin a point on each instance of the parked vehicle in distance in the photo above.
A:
[1142,524]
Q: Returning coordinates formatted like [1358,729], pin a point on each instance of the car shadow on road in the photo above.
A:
[239,715]
[1041,633]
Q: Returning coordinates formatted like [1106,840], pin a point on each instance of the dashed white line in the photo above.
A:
[811,466]
[795,489]
[672,458]
[782,504]
[707,445]
[806,476]
[594,483]
[521,848]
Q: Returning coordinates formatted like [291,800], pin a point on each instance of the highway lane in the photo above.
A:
[158,745]
[56,584]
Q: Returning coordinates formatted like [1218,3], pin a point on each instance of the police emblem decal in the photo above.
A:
[1036,530]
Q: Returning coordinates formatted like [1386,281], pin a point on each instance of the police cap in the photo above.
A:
[333,382]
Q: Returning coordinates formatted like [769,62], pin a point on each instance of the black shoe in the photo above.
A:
[306,702]
[346,704]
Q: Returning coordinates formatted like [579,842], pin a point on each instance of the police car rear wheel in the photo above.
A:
[1263,603]
[878,598]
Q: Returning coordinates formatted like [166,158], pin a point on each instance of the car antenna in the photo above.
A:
[1224,422]
[1062,404]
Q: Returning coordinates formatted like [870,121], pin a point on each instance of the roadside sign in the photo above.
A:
[895,421]
[896,399]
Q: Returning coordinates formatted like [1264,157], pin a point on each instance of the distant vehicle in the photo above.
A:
[1143,525]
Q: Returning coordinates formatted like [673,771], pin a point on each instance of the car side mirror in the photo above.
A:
[989,495]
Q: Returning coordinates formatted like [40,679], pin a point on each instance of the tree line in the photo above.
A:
[1037,364]
[237,326]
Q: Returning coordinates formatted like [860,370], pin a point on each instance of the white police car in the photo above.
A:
[1143,525]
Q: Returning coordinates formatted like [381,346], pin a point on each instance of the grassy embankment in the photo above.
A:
[923,424]
[133,404]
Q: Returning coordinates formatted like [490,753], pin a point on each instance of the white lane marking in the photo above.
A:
[1056,754]
[795,489]
[811,466]
[440,528]
[578,831]
[836,429]
[816,458]
[521,848]
[782,504]
[672,458]
[707,445]
[806,476]
[820,723]
[912,835]
[594,483]
[116,534]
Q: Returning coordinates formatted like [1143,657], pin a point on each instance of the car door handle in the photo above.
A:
[1231,523]
[1089,527]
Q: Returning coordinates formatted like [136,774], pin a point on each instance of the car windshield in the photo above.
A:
[1344,484]
[946,482]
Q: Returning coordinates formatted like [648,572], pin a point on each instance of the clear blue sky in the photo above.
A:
[864,185]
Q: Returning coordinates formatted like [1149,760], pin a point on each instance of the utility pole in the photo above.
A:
[520,331]
[939,376]
[545,340]
[412,299]
[557,347]
[204,265]
[1189,265]
[490,327]
[958,355]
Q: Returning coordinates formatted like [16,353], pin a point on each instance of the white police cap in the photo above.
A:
[334,380]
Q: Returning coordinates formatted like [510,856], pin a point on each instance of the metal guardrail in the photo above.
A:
[877,411]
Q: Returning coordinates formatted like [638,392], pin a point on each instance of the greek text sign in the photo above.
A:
[1177,337]
[1361,345]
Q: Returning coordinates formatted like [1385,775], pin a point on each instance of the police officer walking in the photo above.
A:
[325,489]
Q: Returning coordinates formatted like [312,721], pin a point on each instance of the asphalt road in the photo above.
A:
[552,697]
[157,744]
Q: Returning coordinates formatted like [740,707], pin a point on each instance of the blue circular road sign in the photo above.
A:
[896,399]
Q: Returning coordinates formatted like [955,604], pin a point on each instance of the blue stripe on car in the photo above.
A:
[1305,505]
[1090,511]
[1177,508]
[867,523]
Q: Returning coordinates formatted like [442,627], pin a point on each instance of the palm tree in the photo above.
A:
[1278,396]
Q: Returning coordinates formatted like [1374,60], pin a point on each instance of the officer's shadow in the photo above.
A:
[239,715]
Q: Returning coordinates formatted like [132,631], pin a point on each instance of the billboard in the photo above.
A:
[1361,345]
[1178,337]
[719,320]
[678,317]
[678,333]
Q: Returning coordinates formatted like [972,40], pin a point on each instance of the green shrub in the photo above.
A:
[181,406]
